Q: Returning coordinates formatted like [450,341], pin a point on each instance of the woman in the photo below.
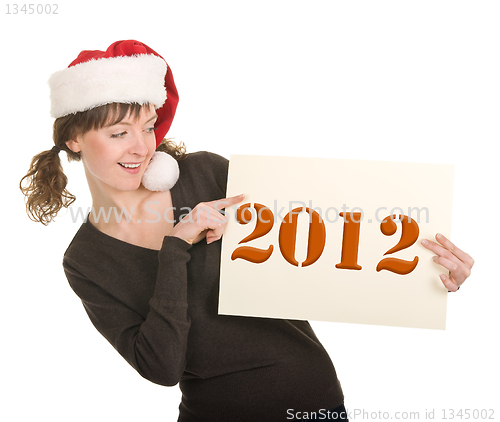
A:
[146,262]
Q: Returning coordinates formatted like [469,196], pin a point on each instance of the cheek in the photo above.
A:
[151,149]
[97,155]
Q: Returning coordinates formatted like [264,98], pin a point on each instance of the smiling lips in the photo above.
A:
[130,167]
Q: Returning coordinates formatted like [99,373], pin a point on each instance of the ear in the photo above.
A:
[74,144]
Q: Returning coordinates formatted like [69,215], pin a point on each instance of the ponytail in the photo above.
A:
[46,187]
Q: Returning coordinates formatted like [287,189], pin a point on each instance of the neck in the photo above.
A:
[112,207]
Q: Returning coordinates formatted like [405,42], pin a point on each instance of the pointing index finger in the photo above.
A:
[227,202]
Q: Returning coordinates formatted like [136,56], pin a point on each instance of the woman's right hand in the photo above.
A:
[204,221]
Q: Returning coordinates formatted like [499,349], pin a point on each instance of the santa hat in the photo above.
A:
[127,72]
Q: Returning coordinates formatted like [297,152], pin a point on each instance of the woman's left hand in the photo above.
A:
[456,261]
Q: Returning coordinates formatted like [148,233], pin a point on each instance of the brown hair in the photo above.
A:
[45,188]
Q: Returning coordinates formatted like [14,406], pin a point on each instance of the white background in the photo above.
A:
[395,80]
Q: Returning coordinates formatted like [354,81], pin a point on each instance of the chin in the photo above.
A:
[133,187]
[130,186]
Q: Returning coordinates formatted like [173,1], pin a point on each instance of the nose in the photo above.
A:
[139,145]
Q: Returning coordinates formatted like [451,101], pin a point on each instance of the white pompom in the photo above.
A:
[162,172]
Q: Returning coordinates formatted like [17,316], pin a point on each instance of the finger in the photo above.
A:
[464,257]
[211,238]
[458,271]
[193,226]
[215,234]
[440,250]
[436,248]
[226,202]
[449,284]
[205,214]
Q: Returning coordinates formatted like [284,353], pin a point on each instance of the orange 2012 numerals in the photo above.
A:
[409,235]
[350,242]
[288,237]
[264,224]
[317,238]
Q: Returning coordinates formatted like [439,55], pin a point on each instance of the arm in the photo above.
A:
[154,346]
[154,339]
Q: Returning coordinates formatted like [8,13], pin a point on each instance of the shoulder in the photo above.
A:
[90,248]
[79,253]
[82,242]
[205,169]
[83,249]
[205,160]
[94,259]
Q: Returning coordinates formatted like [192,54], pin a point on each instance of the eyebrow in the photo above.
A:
[130,124]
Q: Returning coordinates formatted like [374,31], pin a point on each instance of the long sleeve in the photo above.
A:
[154,344]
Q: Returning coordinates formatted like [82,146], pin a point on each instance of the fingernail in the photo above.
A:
[434,258]
[439,235]
[442,277]
[424,242]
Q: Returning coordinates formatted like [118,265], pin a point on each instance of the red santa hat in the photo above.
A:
[127,72]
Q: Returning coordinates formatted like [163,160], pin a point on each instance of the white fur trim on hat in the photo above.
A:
[125,79]
[162,172]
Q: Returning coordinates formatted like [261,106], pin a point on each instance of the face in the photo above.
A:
[115,157]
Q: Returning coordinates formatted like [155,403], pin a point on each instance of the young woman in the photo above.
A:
[146,262]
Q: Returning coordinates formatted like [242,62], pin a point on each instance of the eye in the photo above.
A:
[119,135]
[151,129]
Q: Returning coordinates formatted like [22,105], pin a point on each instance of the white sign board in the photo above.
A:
[335,240]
